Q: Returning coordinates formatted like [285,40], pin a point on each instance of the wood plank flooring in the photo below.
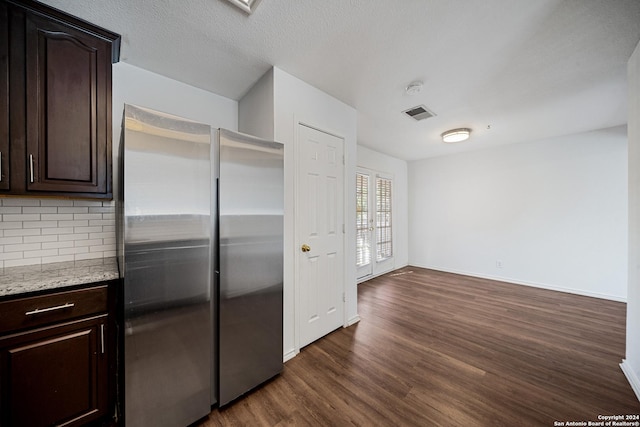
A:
[439,349]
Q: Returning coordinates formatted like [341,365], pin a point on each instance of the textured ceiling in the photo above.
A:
[526,69]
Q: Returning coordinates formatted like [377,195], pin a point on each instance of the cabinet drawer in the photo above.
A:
[44,309]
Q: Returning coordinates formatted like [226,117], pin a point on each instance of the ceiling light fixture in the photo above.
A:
[456,135]
[246,5]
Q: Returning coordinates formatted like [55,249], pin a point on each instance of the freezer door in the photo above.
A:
[251,204]
[166,232]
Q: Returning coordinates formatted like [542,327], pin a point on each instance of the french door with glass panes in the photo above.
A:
[374,232]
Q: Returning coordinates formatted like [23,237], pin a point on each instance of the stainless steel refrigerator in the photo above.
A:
[249,277]
[202,271]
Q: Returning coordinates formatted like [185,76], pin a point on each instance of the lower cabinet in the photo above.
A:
[56,374]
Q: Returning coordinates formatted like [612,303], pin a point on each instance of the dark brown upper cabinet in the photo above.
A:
[4,98]
[58,102]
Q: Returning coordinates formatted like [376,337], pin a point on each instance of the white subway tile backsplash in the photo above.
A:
[95,229]
[56,217]
[88,216]
[73,251]
[39,210]
[91,255]
[87,229]
[20,202]
[39,224]
[74,223]
[10,225]
[56,202]
[22,232]
[40,239]
[102,235]
[86,203]
[10,255]
[21,217]
[58,230]
[78,236]
[11,209]
[74,210]
[40,253]
[22,261]
[101,209]
[102,248]
[93,222]
[40,231]
[57,245]
[21,247]
[11,240]
[92,242]
[57,258]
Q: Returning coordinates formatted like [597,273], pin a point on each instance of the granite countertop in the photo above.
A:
[34,278]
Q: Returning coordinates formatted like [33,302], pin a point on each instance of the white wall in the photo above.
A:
[133,85]
[255,109]
[631,364]
[396,168]
[554,212]
[295,101]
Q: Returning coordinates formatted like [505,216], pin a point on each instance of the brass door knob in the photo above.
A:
[305,248]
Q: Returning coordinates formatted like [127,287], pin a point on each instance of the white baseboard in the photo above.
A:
[289,355]
[525,283]
[631,377]
[352,321]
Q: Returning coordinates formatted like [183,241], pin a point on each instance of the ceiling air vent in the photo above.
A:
[419,113]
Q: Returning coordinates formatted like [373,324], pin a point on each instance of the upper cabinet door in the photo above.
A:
[68,108]
[4,97]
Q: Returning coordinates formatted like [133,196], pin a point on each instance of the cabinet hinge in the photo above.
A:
[344,297]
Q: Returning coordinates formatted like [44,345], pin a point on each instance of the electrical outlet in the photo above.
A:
[499,264]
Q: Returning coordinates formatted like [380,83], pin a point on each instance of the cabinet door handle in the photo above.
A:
[44,310]
[31,166]
[102,337]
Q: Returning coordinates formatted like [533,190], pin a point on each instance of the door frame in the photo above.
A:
[296,233]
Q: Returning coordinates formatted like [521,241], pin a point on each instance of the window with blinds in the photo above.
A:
[363,245]
[384,242]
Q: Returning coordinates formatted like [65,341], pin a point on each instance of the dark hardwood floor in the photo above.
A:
[439,349]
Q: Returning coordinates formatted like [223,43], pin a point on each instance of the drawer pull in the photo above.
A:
[102,337]
[44,310]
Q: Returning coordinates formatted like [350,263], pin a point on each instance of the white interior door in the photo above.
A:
[320,226]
